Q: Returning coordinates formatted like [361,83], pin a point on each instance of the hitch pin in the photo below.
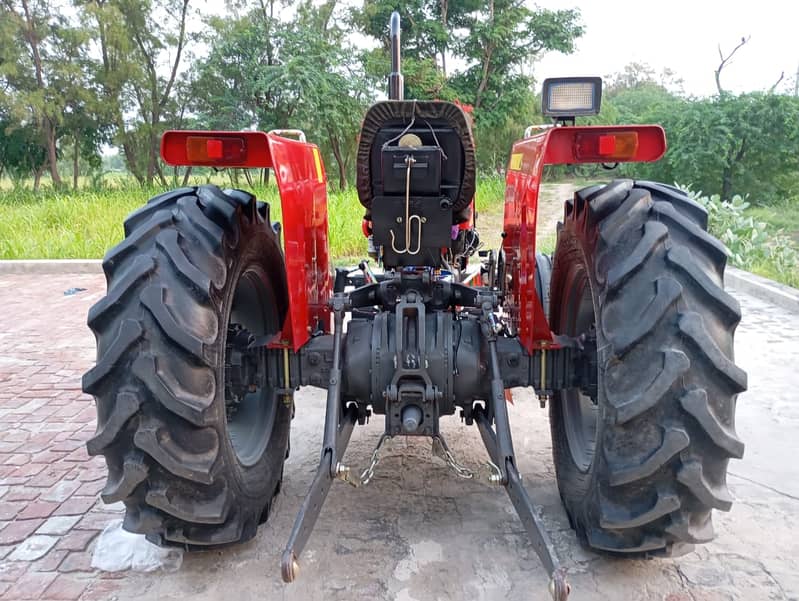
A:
[343,473]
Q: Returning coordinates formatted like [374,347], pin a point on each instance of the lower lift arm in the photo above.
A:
[339,423]
[499,445]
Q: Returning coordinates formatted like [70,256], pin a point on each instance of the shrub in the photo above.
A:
[752,245]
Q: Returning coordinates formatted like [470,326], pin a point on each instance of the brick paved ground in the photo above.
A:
[418,532]
[50,511]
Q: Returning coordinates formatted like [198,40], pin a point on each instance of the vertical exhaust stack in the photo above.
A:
[396,86]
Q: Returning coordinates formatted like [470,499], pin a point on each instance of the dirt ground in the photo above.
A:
[550,211]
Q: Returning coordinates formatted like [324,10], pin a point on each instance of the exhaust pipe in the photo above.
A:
[396,86]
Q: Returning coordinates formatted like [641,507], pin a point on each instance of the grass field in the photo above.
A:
[784,216]
[85,224]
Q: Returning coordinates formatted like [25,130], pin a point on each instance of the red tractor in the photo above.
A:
[210,324]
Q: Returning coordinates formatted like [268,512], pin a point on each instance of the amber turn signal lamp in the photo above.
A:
[619,146]
[222,151]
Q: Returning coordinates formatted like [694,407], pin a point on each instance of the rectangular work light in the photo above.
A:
[567,97]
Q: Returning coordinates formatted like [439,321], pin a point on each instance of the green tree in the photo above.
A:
[494,42]
[36,65]
[503,38]
[427,42]
[21,150]
[273,74]
[142,44]
[746,144]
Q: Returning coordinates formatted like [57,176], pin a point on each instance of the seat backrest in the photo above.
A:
[437,124]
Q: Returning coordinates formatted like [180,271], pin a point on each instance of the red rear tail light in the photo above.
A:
[218,151]
[616,146]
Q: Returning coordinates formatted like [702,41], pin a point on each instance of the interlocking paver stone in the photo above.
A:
[18,531]
[22,493]
[50,562]
[77,540]
[31,585]
[9,510]
[11,571]
[38,509]
[61,491]
[66,588]
[76,505]
[58,524]
[34,547]
[77,561]
[5,550]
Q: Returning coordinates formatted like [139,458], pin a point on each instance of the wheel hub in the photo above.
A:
[250,401]
[242,373]
[580,411]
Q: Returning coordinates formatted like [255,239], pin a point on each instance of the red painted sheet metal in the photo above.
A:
[521,207]
[528,157]
[302,183]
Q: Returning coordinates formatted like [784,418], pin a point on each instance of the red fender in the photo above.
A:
[555,146]
[302,183]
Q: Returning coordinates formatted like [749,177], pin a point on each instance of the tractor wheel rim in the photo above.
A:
[250,424]
[580,413]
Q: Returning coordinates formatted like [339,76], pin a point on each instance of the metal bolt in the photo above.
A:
[342,470]
[495,474]
[399,219]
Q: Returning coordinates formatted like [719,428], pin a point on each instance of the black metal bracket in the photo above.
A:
[339,423]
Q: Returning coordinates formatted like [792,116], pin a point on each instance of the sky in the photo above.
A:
[684,36]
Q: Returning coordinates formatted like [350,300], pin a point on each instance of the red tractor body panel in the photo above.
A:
[555,146]
[302,183]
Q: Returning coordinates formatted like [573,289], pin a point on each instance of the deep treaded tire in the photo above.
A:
[640,470]
[159,382]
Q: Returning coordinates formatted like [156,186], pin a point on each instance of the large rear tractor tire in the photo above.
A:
[195,455]
[641,465]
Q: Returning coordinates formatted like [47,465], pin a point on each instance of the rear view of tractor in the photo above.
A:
[211,322]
